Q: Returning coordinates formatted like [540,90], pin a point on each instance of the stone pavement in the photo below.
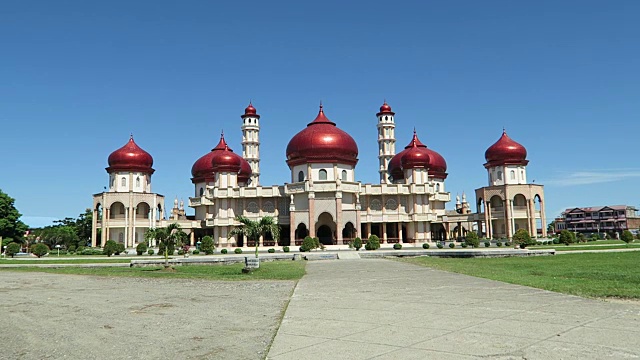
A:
[383,309]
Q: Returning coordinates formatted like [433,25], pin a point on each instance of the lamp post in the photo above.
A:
[58,247]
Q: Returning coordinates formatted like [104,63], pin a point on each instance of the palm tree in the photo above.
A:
[170,236]
[252,230]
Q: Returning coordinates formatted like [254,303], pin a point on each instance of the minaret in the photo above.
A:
[251,142]
[386,140]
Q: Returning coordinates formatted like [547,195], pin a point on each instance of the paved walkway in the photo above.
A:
[382,309]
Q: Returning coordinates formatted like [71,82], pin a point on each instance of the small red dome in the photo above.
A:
[250,111]
[505,151]
[130,157]
[224,159]
[245,172]
[385,109]
[322,142]
[202,170]
[417,155]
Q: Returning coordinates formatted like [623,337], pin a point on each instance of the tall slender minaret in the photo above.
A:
[251,142]
[386,140]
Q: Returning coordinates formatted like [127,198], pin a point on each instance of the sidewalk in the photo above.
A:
[382,309]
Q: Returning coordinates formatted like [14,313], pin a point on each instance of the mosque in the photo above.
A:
[323,199]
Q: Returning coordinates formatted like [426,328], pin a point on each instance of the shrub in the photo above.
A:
[581,238]
[439,245]
[556,241]
[142,248]
[12,249]
[301,249]
[487,244]
[224,251]
[309,244]
[566,237]
[181,252]
[170,250]
[507,243]
[425,246]
[464,245]
[452,245]
[285,248]
[110,248]
[150,252]
[357,243]
[373,243]
[206,245]
[238,251]
[72,248]
[196,252]
[498,243]
[80,249]
[271,251]
[627,236]
[39,249]
[472,239]
[522,238]
[120,249]
[92,251]
[397,246]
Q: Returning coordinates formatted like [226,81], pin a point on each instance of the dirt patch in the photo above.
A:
[83,317]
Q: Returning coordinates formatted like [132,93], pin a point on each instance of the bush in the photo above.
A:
[110,248]
[39,249]
[464,245]
[397,246]
[472,239]
[224,251]
[627,236]
[238,251]
[285,248]
[150,252]
[12,249]
[556,241]
[170,250]
[72,248]
[452,245]
[440,245]
[120,249]
[80,250]
[91,251]
[195,252]
[271,251]
[357,243]
[206,245]
[487,244]
[425,246]
[522,238]
[309,244]
[566,237]
[373,243]
[142,248]
[507,243]
[498,243]
[181,252]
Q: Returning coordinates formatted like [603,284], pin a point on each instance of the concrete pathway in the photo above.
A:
[382,309]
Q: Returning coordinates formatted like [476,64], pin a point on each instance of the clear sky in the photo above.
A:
[77,77]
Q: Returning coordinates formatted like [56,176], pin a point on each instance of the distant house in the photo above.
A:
[599,219]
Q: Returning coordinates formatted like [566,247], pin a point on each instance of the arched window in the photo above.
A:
[138,181]
[437,187]
[499,175]
[344,175]
[322,174]
[201,192]
[123,182]
[113,182]
[513,175]
[301,176]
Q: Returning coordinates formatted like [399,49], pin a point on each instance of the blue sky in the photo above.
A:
[77,77]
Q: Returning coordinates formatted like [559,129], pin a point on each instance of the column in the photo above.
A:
[105,229]
[543,219]
[399,225]
[312,215]
[192,238]
[94,225]
[126,225]
[338,220]
[133,231]
[384,233]
[507,218]
[487,219]
[368,230]
[531,218]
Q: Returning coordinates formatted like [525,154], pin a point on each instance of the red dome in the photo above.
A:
[130,157]
[250,111]
[245,172]
[417,155]
[202,170]
[385,109]
[322,142]
[224,159]
[505,152]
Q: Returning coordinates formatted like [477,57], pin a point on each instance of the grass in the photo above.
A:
[64,261]
[272,270]
[600,275]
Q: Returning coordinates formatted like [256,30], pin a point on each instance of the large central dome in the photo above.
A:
[322,142]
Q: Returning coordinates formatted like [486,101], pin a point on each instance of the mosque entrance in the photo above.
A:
[326,228]
[325,235]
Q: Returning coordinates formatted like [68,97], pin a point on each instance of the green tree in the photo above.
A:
[627,236]
[206,245]
[522,238]
[12,249]
[373,243]
[110,247]
[566,237]
[357,243]
[168,239]
[39,249]
[10,225]
[141,248]
[308,244]
[252,230]
[472,239]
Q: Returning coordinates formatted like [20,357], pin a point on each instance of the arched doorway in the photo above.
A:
[326,229]
[301,233]
[348,233]
[325,235]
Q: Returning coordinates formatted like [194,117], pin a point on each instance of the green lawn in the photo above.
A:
[96,260]
[589,275]
[272,270]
